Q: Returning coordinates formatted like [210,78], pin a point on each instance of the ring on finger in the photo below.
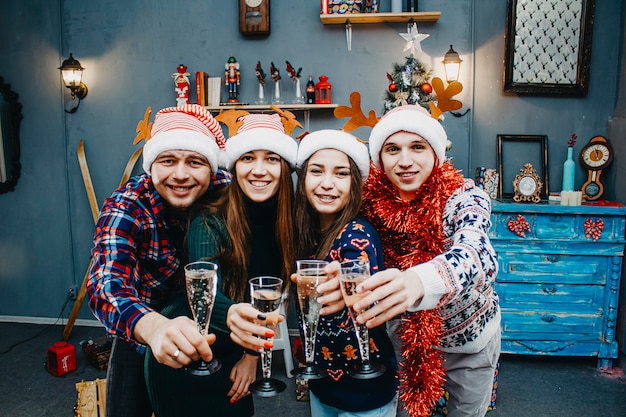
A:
[175,355]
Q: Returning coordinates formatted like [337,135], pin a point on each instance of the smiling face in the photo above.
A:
[408,160]
[327,184]
[180,177]
[258,174]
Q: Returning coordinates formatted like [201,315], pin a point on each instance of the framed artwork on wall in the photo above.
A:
[515,151]
[548,47]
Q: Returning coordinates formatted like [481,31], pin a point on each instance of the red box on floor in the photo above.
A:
[61,358]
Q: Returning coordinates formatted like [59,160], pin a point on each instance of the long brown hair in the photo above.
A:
[234,258]
[310,239]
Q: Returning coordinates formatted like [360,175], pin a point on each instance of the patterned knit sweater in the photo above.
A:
[460,279]
[336,346]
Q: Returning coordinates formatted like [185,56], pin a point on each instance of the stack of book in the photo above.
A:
[208,89]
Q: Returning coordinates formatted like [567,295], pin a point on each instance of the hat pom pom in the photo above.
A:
[222,159]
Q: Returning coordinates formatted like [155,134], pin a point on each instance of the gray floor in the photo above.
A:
[527,385]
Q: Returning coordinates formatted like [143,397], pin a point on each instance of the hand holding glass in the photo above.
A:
[352,274]
[310,273]
[266,296]
[201,285]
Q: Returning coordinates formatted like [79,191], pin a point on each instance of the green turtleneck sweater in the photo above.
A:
[207,235]
[175,392]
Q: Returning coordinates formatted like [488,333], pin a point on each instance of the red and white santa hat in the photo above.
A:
[335,139]
[408,118]
[190,128]
[260,132]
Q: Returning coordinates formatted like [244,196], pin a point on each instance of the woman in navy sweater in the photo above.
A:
[332,166]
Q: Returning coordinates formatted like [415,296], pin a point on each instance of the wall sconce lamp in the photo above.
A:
[72,73]
[452,65]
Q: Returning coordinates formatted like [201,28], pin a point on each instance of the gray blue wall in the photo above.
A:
[131,48]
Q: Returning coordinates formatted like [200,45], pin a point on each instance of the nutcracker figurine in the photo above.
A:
[232,79]
[181,79]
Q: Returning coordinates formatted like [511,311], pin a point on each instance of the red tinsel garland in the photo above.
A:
[412,233]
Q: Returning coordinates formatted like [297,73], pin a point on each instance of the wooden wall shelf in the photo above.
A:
[405,17]
[262,107]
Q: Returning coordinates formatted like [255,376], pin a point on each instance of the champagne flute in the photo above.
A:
[310,273]
[352,274]
[266,295]
[201,285]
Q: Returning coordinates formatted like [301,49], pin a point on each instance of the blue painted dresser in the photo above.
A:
[559,278]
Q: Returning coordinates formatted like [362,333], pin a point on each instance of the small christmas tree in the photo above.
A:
[409,84]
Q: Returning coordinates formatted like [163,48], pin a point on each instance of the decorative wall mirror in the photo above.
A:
[548,47]
[10,118]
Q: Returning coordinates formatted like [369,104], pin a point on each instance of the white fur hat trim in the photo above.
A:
[261,138]
[335,139]
[180,139]
[413,119]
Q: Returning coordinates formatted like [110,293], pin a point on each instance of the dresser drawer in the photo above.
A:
[551,268]
[551,298]
[559,227]
[544,325]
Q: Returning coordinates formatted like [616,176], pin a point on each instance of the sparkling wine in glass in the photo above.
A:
[310,273]
[201,285]
[266,295]
[352,274]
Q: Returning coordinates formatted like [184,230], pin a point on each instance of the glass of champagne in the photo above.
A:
[201,285]
[266,295]
[352,274]
[310,273]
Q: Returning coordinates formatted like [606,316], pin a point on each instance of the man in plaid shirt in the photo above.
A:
[139,253]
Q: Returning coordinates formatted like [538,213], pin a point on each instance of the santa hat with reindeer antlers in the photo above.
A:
[190,128]
[412,119]
[260,132]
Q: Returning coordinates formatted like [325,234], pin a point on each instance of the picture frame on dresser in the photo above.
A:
[548,47]
[513,152]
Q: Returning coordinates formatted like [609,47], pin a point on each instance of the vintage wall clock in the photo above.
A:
[527,185]
[254,17]
[595,156]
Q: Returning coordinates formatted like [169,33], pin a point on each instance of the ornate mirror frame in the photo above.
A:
[10,118]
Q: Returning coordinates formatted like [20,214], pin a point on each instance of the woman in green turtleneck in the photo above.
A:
[248,232]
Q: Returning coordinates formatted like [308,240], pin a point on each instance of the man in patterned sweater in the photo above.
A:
[437,291]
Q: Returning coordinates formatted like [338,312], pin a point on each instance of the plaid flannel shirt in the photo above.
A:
[137,250]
